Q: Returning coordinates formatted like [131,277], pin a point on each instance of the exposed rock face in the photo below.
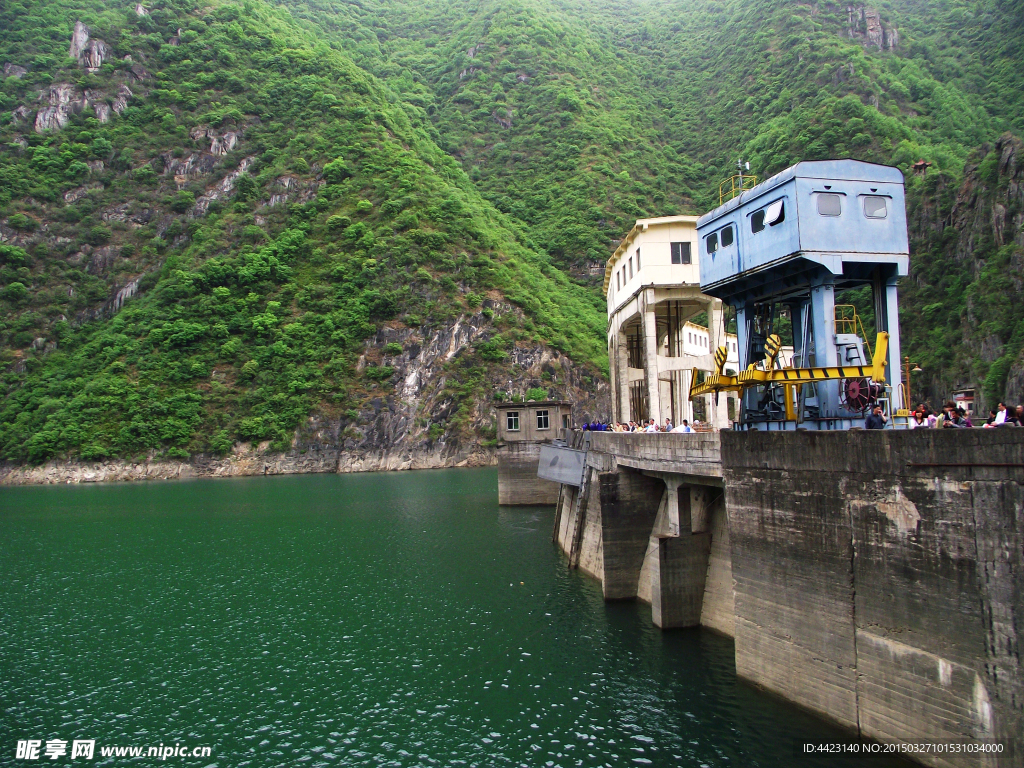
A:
[102,110]
[505,121]
[176,40]
[220,144]
[196,164]
[987,216]
[140,11]
[865,23]
[138,72]
[76,194]
[63,99]
[292,188]
[13,70]
[90,53]
[391,433]
[21,114]
[222,189]
[121,100]
[95,53]
[79,39]
[124,294]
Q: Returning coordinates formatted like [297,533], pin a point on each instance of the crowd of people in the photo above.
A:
[954,417]
[640,426]
[951,416]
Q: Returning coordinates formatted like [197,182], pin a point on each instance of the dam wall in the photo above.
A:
[873,577]
[878,577]
[518,484]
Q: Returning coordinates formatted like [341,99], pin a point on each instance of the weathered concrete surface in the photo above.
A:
[695,456]
[718,609]
[677,587]
[877,588]
[629,504]
[518,483]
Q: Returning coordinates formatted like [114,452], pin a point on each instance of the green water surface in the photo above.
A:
[399,619]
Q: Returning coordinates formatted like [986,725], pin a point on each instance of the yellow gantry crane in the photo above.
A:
[789,378]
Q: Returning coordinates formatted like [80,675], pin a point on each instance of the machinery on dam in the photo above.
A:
[777,254]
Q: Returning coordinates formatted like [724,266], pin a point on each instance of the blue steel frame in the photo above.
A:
[804,258]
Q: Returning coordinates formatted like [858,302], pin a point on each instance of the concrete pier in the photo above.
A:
[875,578]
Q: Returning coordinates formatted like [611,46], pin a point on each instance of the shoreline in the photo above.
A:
[243,462]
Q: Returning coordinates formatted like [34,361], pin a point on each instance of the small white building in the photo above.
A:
[652,284]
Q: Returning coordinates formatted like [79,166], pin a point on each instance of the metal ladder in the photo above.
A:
[580,507]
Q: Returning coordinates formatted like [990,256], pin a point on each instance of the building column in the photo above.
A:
[651,359]
[823,322]
[895,373]
[672,508]
[718,411]
[744,318]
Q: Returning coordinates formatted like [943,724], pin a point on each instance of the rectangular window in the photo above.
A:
[618,282]
[829,205]
[542,420]
[727,237]
[874,207]
[680,253]
[711,241]
[630,262]
[637,259]
[512,421]
[565,421]
[757,222]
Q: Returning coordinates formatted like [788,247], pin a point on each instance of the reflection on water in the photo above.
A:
[388,619]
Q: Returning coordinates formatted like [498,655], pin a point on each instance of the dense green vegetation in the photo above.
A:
[242,330]
[434,154]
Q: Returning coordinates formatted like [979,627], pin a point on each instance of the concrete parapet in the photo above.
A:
[879,578]
[695,454]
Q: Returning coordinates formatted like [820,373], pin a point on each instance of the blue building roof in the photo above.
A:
[838,170]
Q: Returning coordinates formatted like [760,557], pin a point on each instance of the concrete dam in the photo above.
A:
[872,577]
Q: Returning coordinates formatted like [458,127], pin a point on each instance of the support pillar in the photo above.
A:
[894,373]
[618,362]
[744,318]
[677,594]
[651,359]
[823,322]
[672,509]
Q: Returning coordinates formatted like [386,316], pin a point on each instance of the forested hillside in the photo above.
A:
[355,223]
[206,236]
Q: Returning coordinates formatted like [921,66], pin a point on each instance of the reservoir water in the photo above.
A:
[399,619]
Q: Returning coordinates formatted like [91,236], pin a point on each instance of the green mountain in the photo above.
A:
[354,223]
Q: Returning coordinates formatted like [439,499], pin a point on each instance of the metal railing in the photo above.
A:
[847,319]
[735,185]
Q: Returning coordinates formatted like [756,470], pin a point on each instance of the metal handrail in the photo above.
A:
[851,324]
[737,185]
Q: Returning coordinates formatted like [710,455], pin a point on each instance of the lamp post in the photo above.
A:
[907,370]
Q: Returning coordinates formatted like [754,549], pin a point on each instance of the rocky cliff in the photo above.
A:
[967,277]
[226,251]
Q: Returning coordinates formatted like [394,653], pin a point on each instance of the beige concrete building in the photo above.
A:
[522,429]
[652,284]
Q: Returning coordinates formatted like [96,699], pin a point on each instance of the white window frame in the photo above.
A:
[510,418]
[546,415]
[885,206]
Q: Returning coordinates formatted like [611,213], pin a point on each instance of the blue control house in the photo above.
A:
[778,254]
